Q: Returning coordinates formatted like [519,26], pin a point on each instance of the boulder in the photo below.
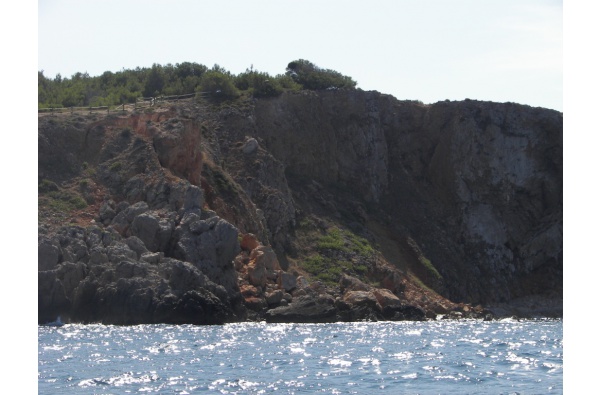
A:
[386,298]
[403,312]
[248,290]
[153,258]
[263,266]
[256,303]
[155,232]
[249,242]
[304,309]
[48,253]
[350,283]
[265,256]
[286,281]
[107,212]
[257,274]
[250,146]
[136,245]
[211,245]
[301,282]
[274,298]
[361,298]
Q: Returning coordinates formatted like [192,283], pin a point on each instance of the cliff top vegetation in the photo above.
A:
[126,86]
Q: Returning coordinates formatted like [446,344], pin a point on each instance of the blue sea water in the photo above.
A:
[432,357]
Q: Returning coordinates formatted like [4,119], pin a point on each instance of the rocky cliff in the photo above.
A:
[308,207]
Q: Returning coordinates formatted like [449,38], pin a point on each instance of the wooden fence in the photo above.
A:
[140,103]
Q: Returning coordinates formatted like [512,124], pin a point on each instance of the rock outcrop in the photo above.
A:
[205,215]
[477,185]
[151,254]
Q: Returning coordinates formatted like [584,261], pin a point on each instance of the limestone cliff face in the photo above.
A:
[477,185]
[204,213]
[330,137]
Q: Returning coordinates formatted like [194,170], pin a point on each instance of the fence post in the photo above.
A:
[123,107]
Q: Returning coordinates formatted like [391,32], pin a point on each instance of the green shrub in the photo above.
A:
[116,166]
[47,186]
[287,82]
[313,77]
[84,184]
[89,171]
[218,85]
[78,202]
[258,84]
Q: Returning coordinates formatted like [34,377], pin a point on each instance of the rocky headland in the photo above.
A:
[313,206]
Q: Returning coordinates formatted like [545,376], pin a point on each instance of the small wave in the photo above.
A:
[403,356]
[294,384]
[339,362]
[210,347]
[239,383]
[471,340]
[120,380]
[446,377]
[438,343]
[92,383]
[213,386]
[53,348]
[512,357]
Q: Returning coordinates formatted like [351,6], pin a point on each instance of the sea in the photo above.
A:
[507,356]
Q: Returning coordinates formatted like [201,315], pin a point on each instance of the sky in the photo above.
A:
[427,50]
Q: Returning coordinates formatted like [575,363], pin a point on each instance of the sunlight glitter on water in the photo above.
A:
[254,358]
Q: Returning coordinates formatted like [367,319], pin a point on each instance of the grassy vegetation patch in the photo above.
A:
[325,269]
[66,201]
[59,199]
[338,251]
[430,268]
[359,244]
[345,241]
[333,240]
